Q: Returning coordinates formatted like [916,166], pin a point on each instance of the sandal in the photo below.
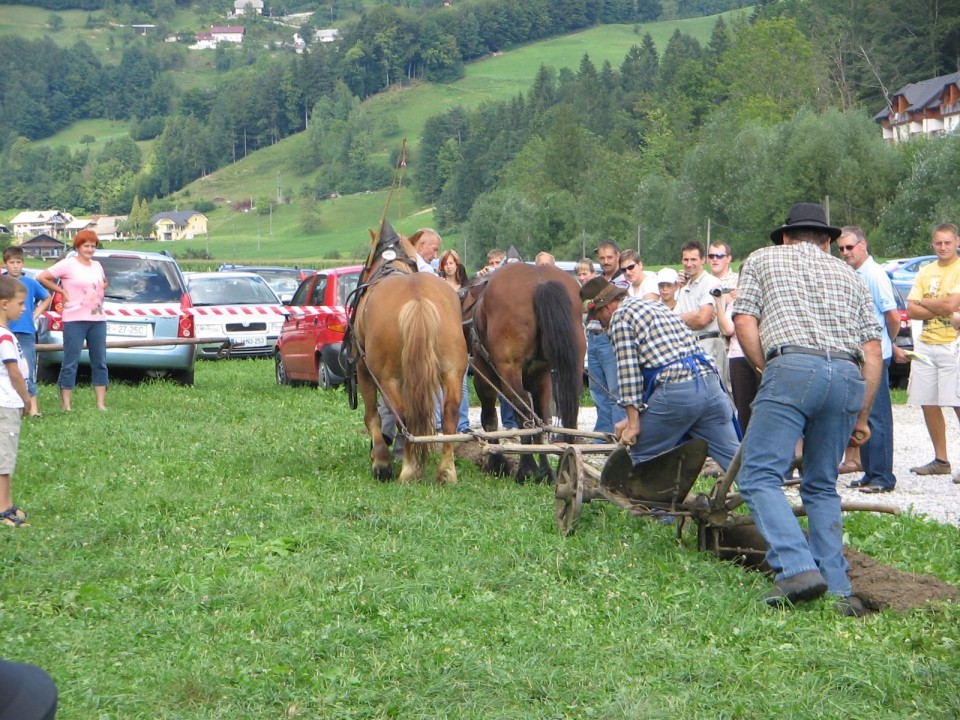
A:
[849,467]
[874,489]
[10,518]
[861,483]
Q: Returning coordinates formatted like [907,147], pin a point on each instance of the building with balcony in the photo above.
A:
[928,107]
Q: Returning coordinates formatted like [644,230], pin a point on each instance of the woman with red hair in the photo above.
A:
[452,270]
[82,285]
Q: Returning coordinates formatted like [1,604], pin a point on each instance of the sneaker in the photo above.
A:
[934,467]
[850,606]
[808,585]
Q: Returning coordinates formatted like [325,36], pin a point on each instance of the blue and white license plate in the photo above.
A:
[250,341]
[128,330]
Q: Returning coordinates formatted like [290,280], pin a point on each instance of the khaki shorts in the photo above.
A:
[934,382]
[9,439]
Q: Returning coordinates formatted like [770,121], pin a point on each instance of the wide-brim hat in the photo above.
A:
[807,216]
[599,292]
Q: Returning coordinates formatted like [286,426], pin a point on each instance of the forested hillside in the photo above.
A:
[773,109]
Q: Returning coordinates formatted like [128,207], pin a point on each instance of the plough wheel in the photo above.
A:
[569,493]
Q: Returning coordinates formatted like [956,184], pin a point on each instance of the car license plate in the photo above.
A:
[127,330]
[250,341]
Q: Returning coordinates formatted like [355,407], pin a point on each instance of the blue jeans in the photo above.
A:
[508,418]
[681,410]
[463,422]
[817,399]
[74,333]
[602,363]
[28,343]
[876,456]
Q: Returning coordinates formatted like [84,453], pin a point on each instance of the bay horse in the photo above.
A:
[524,323]
[409,346]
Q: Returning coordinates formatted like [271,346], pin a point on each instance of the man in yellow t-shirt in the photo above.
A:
[935,296]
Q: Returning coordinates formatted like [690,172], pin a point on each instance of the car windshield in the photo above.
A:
[282,282]
[347,284]
[141,280]
[231,291]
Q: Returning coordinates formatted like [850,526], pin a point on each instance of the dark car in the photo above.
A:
[900,372]
[308,349]
[282,280]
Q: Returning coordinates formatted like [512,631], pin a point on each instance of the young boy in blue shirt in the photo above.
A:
[25,328]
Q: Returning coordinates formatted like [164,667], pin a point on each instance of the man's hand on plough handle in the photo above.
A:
[628,430]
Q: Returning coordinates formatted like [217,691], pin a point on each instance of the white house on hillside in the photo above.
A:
[37,222]
[227,33]
[247,7]
[928,107]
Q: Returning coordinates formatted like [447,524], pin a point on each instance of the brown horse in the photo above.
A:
[527,338]
[408,345]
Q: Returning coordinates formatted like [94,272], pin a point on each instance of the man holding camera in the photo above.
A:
[697,305]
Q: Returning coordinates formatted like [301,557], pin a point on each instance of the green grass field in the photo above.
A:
[222,551]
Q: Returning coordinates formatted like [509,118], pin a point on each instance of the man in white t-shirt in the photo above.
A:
[697,307]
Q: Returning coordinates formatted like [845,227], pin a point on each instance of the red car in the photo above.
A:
[308,349]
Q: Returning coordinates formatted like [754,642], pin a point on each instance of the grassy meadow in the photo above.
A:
[222,551]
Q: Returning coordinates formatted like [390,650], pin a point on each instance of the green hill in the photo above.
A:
[343,222]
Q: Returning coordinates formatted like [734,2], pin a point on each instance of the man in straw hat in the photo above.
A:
[663,375]
[806,321]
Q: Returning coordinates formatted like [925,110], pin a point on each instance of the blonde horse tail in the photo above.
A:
[420,363]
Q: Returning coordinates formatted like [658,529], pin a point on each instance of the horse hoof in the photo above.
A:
[447,478]
[383,473]
[497,465]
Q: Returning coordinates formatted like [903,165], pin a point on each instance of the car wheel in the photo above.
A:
[282,377]
[48,374]
[324,377]
[183,378]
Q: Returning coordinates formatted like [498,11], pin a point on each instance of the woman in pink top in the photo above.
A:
[82,285]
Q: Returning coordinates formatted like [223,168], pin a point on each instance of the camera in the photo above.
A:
[717,292]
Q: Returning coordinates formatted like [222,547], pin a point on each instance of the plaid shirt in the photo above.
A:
[648,334]
[804,296]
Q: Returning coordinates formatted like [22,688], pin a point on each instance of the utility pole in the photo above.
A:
[708,232]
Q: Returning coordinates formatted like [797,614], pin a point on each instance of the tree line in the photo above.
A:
[647,153]
[586,153]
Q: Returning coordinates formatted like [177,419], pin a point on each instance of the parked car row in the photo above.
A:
[145,294]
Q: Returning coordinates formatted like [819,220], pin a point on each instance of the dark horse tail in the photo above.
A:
[420,359]
[557,327]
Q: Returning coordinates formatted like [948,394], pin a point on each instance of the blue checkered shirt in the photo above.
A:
[804,296]
[648,334]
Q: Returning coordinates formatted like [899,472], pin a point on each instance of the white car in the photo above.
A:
[238,311]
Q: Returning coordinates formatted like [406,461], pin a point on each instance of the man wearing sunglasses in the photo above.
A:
[720,255]
[876,455]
